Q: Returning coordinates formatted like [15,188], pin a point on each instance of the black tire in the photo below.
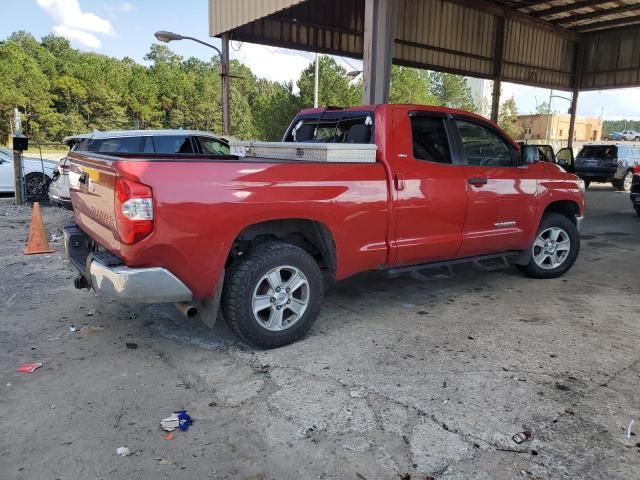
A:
[586,183]
[638,212]
[246,276]
[36,186]
[549,220]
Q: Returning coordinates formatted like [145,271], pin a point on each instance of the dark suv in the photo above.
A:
[608,163]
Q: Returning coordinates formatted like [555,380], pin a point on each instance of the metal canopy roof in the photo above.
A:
[564,44]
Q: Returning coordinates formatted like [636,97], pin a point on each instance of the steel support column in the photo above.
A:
[226,85]
[380,20]
[576,91]
[497,69]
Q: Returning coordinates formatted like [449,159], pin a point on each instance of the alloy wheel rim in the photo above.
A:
[551,248]
[280,298]
[627,181]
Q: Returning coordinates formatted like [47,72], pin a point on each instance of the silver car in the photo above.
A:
[37,174]
[159,142]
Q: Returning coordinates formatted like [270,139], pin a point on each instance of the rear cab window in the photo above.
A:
[333,126]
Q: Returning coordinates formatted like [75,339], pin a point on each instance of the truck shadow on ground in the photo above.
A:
[356,299]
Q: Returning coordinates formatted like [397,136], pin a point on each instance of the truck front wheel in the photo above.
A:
[273,294]
[555,248]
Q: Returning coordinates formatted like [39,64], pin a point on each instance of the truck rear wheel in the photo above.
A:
[273,294]
[555,249]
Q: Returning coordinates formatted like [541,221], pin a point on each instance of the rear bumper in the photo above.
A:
[608,173]
[589,173]
[106,274]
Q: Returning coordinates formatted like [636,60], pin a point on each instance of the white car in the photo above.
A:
[630,135]
[59,188]
[37,174]
[127,142]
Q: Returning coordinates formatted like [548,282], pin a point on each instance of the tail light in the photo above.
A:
[63,166]
[134,210]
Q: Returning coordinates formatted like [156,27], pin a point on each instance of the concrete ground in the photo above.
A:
[399,378]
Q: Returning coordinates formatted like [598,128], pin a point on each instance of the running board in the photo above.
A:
[415,270]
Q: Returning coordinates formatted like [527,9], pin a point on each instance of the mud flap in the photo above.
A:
[524,258]
[209,309]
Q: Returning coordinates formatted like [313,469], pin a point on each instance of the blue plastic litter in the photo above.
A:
[184,420]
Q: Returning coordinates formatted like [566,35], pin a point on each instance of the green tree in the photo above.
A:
[335,89]
[22,85]
[411,85]
[274,107]
[544,109]
[452,91]
[508,118]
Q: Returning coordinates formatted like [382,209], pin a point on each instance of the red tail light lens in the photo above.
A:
[134,210]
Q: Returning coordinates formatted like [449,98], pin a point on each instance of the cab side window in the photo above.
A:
[483,147]
[429,139]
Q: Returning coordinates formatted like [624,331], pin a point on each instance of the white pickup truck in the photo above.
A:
[630,135]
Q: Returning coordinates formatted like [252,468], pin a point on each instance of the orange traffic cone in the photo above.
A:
[38,242]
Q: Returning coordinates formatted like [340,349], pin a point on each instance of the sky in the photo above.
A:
[125,28]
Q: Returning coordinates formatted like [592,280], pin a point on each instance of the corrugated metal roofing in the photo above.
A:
[541,40]
[225,15]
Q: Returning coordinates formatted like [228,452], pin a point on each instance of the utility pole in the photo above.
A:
[549,116]
[316,82]
[17,157]
[226,86]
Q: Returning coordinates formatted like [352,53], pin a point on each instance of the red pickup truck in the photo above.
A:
[263,237]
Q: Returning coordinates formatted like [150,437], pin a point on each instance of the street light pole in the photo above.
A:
[167,37]
[316,82]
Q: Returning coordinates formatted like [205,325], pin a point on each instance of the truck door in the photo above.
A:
[501,196]
[429,190]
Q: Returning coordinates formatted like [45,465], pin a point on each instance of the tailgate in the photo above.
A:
[92,185]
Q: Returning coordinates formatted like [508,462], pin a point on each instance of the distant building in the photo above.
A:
[481,91]
[556,127]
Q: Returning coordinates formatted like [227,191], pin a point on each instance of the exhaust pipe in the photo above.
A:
[188,309]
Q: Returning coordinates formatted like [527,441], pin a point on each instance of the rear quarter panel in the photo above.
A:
[201,206]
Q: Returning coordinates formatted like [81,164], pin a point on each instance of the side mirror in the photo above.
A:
[529,154]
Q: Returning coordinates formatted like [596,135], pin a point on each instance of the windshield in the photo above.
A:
[599,151]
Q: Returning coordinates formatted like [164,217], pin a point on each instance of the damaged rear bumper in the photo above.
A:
[108,276]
